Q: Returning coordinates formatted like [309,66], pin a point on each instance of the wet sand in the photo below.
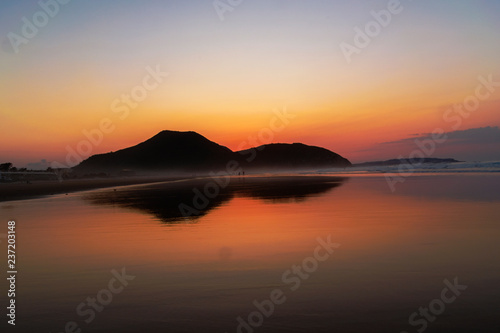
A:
[203,273]
[198,196]
[22,190]
[36,189]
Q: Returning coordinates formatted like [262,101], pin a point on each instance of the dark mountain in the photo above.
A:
[168,150]
[296,156]
[191,152]
[406,161]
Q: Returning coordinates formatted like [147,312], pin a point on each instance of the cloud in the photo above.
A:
[481,135]
[486,135]
[475,144]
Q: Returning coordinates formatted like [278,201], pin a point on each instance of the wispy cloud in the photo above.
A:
[482,143]
[481,135]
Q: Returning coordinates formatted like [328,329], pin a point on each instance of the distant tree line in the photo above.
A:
[9,167]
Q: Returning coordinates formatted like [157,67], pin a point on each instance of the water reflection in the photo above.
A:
[396,250]
[171,202]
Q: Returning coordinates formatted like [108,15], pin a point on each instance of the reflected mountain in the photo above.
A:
[287,189]
[162,200]
[187,200]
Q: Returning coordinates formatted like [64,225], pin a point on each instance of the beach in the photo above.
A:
[323,252]
[35,189]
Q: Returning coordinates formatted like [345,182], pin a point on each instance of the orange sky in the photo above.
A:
[225,78]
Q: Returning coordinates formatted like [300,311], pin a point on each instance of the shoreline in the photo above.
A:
[42,188]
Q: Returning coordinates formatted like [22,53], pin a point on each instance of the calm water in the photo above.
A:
[200,274]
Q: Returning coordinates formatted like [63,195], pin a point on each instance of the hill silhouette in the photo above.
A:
[296,156]
[167,150]
[190,152]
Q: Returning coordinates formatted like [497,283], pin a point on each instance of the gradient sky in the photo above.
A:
[227,76]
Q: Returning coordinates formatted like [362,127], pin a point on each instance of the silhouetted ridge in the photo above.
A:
[167,150]
[294,156]
[171,151]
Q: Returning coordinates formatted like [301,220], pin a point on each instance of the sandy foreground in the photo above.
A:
[21,190]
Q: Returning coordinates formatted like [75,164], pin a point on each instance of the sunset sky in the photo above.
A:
[231,69]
